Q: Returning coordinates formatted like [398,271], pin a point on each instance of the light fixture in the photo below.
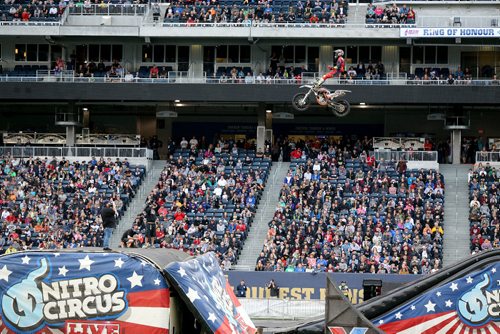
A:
[269,111]
[85,109]
[362,103]
[17,51]
[177,101]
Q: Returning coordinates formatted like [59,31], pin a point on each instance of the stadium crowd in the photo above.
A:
[391,14]
[262,11]
[342,211]
[205,200]
[483,208]
[32,10]
[54,203]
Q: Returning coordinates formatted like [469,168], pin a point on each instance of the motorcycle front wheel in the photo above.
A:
[299,102]
[340,108]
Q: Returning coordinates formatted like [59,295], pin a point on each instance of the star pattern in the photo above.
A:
[157,281]
[439,301]
[182,272]
[4,273]
[430,306]
[212,317]
[135,280]
[85,263]
[63,271]
[119,262]
[26,259]
[192,295]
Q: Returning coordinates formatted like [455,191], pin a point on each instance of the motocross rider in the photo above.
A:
[338,68]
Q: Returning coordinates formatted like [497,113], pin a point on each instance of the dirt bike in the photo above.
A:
[324,97]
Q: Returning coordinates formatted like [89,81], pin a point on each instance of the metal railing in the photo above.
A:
[464,21]
[252,80]
[31,23]
[274,308]
[105,9]
[405,155]
[78,151]
[483,156]
[398,143]
[59,139]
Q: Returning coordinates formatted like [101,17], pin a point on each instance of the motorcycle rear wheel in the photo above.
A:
[299,103]
[341,108]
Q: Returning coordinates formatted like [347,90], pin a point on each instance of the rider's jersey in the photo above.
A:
[340,64]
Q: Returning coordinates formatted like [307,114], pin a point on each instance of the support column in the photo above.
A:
[196,61]
[261,127]
[325,58]
[456,146]
[70,135]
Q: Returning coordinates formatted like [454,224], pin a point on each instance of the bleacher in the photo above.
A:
[192,220]
[56,204]
[483,208]
[334,221]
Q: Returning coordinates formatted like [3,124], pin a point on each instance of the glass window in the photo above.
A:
[312,58]
[43,52]
[117,51]
[183,53]
[32,52]
[442,55]
[147,53]
[93,53]
[208,54]
[418,55]
[55,52]
[300,54]
[233,56]
[352,55]
[288,54]
[170,51]
[20,52]
[364,54]
[106,52]
[245,54]
[376,54]
[159,53]
[222,54]
[430,54]
[276,50]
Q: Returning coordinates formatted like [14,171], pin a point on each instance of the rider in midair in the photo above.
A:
[338,68]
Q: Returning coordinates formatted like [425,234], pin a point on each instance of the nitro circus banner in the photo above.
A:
[81,293]
[470,304]
[205,290]
[450,32]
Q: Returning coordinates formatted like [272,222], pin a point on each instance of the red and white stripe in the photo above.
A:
[441,323]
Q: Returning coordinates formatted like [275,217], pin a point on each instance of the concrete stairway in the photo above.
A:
[264,214]
[137,204]
[456,239]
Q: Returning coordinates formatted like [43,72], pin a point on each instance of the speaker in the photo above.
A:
[371,288]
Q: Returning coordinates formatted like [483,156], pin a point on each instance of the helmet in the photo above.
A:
[339,52]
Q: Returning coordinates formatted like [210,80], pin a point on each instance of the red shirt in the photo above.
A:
[25,16]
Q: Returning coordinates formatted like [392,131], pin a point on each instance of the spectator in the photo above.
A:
[241,290]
